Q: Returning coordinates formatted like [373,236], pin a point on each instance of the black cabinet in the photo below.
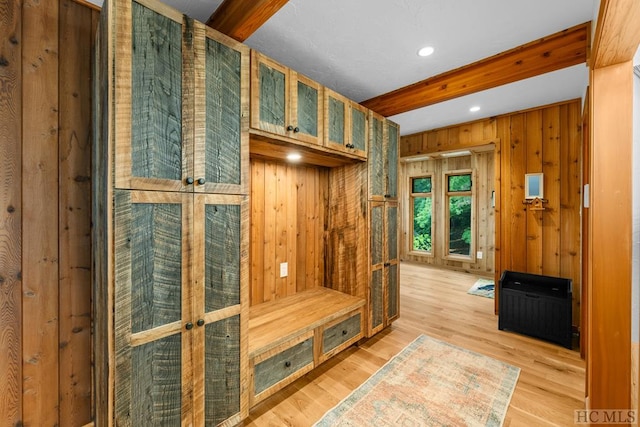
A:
[535,305]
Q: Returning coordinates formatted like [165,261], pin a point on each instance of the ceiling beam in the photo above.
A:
[240,18]
[617,33]
[554,52]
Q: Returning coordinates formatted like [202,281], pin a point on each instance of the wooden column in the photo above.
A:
[609,251]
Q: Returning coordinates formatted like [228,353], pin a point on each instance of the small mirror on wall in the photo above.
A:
[534,186]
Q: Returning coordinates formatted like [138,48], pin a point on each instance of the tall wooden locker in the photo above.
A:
[170,218]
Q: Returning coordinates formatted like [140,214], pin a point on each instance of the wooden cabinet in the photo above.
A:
[384,304]
[383,215]
[383,158]
[345,124]
[284,102]
[170,220]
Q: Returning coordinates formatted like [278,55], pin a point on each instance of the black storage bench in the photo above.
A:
[534,305]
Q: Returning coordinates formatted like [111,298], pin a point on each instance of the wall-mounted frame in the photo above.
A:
[534,186]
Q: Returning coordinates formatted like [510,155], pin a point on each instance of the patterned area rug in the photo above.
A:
[483,288]
[430,383]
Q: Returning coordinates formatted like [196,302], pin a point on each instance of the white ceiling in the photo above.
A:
[363,48]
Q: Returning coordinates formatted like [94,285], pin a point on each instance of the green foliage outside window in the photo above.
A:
[422,210]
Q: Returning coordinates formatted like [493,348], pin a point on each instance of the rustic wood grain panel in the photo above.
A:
[272,96]
[270,271]
[393,293]
[551,170]
[347,263]
[312,232]
[222,256]
[377,234]
[76,36]
[301,241]
[40,266]
[392,232]
[224,113]
[617,34]
[554,52]
[156,392]
[307,106]
[517,227]
[376,157]
[156,265]
[376,302]
[570,200]
[281,228]
[336,114]
[156,121]
[292,230]
[222,370]
[335,335]
[359,131]
[534,165]
[391,160]
[11,142]
[276,368]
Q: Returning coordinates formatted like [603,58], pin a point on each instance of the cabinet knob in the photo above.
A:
[289,128]
[387,264]
[188,326]
[200,322]
[287,364]
[387,196]
[296,129]
[344,332]
[201,181]
[189,180]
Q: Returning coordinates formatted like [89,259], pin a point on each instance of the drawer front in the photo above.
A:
[280,366]
[340,333]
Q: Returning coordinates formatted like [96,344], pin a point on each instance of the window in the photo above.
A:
[458,203]
[422,209]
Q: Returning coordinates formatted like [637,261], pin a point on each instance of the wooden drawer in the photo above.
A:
[282,365]
[340,334]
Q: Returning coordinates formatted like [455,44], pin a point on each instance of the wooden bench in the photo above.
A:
[290,336]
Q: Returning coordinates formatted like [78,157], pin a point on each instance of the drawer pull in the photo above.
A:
[287,364]
[200,322]
[189,180]
[344,332]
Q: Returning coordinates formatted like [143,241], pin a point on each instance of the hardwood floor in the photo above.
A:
[434,302]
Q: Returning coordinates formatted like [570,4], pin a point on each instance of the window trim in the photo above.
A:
[412,195]
[446,194]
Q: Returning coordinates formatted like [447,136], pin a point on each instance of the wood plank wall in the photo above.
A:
[482,164]
[45,287]
[545,139]
[288,221]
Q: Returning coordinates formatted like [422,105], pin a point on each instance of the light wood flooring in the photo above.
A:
[434,302]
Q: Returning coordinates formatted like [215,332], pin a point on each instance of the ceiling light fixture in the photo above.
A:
[293,157]
[426,51]
[474,109]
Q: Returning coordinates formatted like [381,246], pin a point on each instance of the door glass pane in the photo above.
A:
[336,121]
[156,383]
[156,265]
[422,214]
[222,370]
[307,109]
[459,182]
[358,129]
[421,185]
[375,159]
[377,307]
[224,115]
[222,256]
[392,161]
[460,225]
[272,100]
[156,119]
[392,233]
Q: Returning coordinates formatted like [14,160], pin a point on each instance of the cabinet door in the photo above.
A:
[376,297]
[148,100]
[377,182]
[152,346]
[336,132]
[391,160]
[220,280]
[359,129]
[269,95]
[222,114]
[305,121]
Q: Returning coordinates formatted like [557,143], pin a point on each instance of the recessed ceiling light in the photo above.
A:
[474,109]
[426,51]
[294,157]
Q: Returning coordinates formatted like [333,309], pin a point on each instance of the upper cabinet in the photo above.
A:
[181,106]
[284,102]
[346,124]
[383,158]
